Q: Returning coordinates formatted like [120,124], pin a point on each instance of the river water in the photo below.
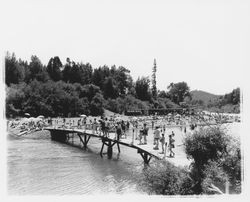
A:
[37,165]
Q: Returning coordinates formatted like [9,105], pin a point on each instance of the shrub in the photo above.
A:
[216,157]
[164,178]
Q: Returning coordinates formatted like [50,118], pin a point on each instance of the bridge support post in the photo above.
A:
[145,156]
[85,141]
[109,144]
[118,146]
[110,149]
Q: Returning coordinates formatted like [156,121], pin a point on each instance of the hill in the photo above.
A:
[204,96]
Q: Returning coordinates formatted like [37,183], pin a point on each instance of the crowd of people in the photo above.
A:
[135,127]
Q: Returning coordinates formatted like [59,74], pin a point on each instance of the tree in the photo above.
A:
[100,75]
[121,77]
[86,73]
[154,89]
[54,68]
[162,94]
[14,72]
[15,97]
[96,105]
[163,178]
[178,91]
[203,146]
[76,75]
[66,71]
[37,70]
[142,88]
[109,89]
[236,96]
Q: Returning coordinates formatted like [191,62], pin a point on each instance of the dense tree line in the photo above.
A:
[58,89]
[116,89]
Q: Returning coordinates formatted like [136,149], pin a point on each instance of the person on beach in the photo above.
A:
[136,130]
[163,142]
[156,138]
[164,128]
[133,129]
[140,136]
[118,131]
[127,125]
[171,144]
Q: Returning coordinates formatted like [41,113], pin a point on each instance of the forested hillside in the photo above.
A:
[229,102]
[73,88]
[205,97]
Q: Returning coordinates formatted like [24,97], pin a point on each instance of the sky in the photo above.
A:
[204,43]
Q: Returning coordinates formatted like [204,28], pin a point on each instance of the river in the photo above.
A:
[37,165]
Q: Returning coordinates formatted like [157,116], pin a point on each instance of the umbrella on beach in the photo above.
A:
[83,115]
[178,115]
[134,118]
[41,117]
[27,114]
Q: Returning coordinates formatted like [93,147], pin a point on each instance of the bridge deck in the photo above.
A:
[148,148]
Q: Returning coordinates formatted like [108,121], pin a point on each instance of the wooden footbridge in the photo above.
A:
[63,135]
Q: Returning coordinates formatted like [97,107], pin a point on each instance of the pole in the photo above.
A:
[133,137]
[227,186]
[165,150]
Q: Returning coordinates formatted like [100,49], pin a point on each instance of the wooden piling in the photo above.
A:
[110,150]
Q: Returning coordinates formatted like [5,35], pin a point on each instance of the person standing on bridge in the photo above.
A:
[102,123]
[79,123]
[107,127]
[123,129]
[118,131]
[94,126]
[145,133]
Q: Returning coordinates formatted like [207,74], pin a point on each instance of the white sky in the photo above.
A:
[205,43]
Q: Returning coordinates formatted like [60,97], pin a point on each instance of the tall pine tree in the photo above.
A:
[154,89]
